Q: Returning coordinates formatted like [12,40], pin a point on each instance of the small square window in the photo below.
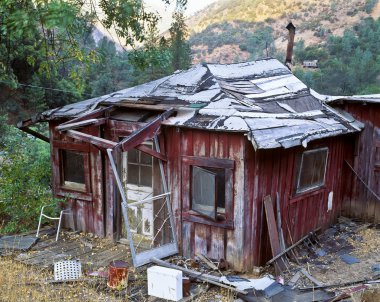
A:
[73,170]
[208,191]
[312,169]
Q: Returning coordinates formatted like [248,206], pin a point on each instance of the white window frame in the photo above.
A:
[298,190]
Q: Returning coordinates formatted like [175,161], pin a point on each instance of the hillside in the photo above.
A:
[238,30]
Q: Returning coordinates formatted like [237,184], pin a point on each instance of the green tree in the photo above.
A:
[46,49]
[348,64]
[153,59]
[179,47]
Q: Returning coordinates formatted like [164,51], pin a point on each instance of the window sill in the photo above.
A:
[192,216]
[73,193]
[73,186]
[311,192]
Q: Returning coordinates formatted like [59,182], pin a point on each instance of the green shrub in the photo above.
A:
[369,6]
[24,180]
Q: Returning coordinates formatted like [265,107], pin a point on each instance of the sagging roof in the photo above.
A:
[362,99]
[260,98]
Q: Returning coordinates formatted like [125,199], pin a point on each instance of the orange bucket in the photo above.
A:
[117,274]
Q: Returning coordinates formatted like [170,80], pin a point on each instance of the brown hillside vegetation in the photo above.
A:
[315,21]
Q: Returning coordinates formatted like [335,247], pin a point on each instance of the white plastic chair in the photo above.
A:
[63,212]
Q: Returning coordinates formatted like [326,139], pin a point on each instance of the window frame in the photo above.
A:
[139,165]
[314,187]
[206,162]
[72,185]
[66,190]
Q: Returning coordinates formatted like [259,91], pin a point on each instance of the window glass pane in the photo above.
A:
[312,173]
[73,166]
[146,176]
[133,174]
[133,156]
[203,192]
[145,158]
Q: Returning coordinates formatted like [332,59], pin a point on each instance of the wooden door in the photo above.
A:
[138,180]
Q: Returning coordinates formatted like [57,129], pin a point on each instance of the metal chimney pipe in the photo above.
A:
[289,51]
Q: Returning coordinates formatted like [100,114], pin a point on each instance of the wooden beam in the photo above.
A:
[272,230]
[145,133]
[36,134]
[291,247]
[26,123]
[89,122]
[151,152]
[223,163]
[153,107]
[93,114]
[94,140]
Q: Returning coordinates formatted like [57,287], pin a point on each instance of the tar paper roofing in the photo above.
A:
[260,98]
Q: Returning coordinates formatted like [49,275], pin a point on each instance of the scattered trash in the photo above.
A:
[20,243]
[186,287]
[273,289]
[67,270]
[320,252]
[310,277]
[232,278]
[347,293]
[118,274]
[102,274]
[349,259]
[165,283]
[256,284]
[376,268]
[223,264]
[198,275]
[280,279]
[293,281]
[207,261]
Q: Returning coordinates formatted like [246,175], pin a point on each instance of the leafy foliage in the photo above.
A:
[40,43]
[129,19]
[24,179]
[349,64]
[48,57]
[179,47]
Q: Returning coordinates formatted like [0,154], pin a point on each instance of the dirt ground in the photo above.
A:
[361,241]
[21,282]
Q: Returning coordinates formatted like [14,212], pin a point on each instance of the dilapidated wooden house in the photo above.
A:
[216,139]
[362,200]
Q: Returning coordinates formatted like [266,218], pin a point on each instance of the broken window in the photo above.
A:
[312,170]
[73,171]
[140,168]
[208,191]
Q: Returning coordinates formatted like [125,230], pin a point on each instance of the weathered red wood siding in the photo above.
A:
[255,175]
[88,207]
[274,171]
[195,237]
[360,203]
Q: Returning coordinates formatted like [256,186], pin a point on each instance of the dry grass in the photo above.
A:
[19,282]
